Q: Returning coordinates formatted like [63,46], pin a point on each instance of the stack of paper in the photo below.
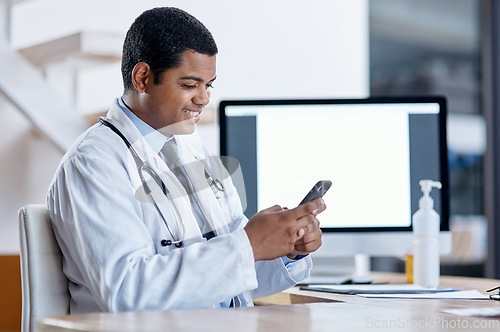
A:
[399,291]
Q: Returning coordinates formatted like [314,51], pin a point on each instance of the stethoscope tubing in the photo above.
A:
[216,186]
[143,167]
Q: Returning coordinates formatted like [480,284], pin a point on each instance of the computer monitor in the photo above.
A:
[374,150]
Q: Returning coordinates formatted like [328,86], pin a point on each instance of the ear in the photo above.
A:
[140,76]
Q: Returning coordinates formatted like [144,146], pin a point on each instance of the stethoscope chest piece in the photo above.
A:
[216,186]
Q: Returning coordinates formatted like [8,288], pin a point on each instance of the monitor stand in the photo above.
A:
[362,268]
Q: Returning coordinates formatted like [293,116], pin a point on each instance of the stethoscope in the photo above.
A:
[215,184]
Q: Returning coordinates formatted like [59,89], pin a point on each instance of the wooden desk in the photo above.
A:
[348,313]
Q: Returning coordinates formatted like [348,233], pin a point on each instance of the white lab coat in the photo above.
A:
[111,238]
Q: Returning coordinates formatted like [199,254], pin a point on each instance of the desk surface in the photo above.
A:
[323,312]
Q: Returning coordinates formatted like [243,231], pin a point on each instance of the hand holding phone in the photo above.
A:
[319,189]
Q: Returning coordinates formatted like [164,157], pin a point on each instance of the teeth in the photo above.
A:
[193,114]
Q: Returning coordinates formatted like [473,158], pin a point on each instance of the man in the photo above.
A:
[137,227]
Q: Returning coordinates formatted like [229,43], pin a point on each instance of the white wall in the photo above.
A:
[27,164]
[267,49]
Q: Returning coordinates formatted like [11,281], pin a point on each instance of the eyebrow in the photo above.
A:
[197,79]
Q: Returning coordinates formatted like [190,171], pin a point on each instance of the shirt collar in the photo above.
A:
[154,138]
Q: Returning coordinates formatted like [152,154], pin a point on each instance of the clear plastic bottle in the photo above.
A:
[426,223]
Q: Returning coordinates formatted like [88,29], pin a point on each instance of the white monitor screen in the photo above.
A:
[373,150]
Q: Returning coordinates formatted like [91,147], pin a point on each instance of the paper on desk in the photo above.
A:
[378,289]
[463,295]
[475,312]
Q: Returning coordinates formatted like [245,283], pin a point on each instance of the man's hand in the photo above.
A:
[310,242]
[275,232]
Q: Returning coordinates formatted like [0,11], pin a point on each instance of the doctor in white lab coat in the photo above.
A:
[118,243]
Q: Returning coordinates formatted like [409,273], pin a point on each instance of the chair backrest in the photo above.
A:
[44,285]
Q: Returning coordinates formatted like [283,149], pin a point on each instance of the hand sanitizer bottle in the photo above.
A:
[426,224]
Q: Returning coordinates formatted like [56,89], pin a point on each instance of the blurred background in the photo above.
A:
[60,71]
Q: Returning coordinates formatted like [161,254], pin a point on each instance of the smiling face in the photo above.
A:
[174,103]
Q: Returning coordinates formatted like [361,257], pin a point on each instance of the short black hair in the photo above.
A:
[159,36]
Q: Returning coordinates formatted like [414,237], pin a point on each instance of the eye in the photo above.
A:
[189,86]
[209,86]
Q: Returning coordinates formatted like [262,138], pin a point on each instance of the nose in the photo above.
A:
[202,96]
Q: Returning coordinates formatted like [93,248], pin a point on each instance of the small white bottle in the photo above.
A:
[426,224]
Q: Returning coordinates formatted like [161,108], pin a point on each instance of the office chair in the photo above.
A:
[44,285]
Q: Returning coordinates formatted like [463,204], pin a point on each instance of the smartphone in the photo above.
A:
[319,189]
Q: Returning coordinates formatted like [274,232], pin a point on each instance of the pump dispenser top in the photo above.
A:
[426,202]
